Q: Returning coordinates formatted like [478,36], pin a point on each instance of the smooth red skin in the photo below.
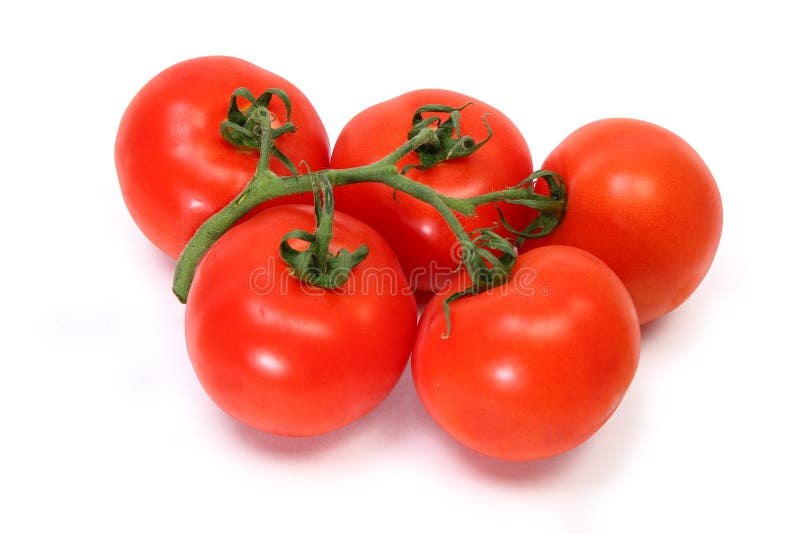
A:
[300,361]
[522,376]
[175,169]
[414,229]
[641,199]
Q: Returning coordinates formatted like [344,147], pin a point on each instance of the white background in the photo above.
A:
[106,428]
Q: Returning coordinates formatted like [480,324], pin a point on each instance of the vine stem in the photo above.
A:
[266,185]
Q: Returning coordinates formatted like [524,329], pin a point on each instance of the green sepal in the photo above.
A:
[449,143]
[316,265]
[305,264]
[489,259]
[283,158]
[243,129]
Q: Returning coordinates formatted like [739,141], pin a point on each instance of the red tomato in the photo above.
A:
[533,368]
[415,230]
[288,358]
[642,200]
[174,167]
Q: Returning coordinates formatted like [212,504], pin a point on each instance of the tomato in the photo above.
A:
[175,169]
[533,368]
[415,230]
[288,358]
[643,201]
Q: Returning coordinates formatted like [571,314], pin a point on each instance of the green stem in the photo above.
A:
[266,185]
[467,206]
[266,143]
[430,196]
[323,202]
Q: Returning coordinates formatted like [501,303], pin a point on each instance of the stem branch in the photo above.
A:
[266,185]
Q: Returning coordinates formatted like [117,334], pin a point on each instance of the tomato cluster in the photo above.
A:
[521,366]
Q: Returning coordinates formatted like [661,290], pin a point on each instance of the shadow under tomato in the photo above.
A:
[384,426]
[659,327]
[518,472]
[403,417]
[284,445]
[599,458]
[668,337]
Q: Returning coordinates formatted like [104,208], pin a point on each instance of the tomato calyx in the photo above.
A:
[248,128]
[316,265]
[489,259]
[448,143]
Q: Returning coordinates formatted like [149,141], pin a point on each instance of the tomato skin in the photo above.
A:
[288,358]
[534,368]
[415,230]
[175,169]
[642,200]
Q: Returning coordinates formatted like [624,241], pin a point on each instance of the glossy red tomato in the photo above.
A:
[288,358]
[642,200]
[174,167]
[415,230]
[533,368]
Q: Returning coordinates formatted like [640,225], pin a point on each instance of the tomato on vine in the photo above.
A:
[422,239]
[532,368]
[282,355]
[643,201]
[175,168]
[299,321]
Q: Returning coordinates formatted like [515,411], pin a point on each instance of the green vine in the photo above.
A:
[487,257]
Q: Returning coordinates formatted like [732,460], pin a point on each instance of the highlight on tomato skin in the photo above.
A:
[288,358]
[534,368]
[175,169]
[642,200]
